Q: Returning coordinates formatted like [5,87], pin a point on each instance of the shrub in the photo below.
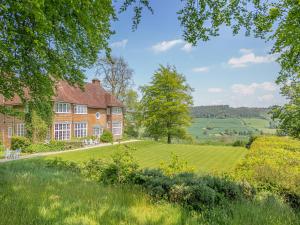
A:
[94,169]
[106,137]
[250,141]
[53,146]
[61,164]
[239,143]
[122,168]
[19,143]
[273,164]
[175,166]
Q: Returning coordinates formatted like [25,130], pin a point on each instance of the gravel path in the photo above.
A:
[60,152]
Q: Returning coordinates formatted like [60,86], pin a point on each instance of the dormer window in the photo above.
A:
[61,107]
[80,109]
[116,110]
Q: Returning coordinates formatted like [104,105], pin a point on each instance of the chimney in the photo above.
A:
[96,81]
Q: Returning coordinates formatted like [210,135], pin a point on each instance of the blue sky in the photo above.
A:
[234,70]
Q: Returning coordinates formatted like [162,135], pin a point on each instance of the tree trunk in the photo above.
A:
[169,139]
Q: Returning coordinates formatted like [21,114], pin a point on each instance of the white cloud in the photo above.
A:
[215,90]
[166,45]
[250,58]
[119,44]
[250,89]
[266,98]
[246,50]
[187,47]
[200,69]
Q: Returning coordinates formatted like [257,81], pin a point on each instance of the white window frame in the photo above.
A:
[98,115]
[116,111]
[62,107]
[80,129]
[100,129]
[108,111]
[63,131]
[9,132]
[20,129]
[80,109]
[116,130]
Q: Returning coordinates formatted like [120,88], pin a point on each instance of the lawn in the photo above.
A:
[203,158]
[32,193]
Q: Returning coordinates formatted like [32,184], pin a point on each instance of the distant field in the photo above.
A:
[150,154]
[228,130]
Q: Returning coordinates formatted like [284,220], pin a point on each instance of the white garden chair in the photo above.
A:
[17,153]
[7,154]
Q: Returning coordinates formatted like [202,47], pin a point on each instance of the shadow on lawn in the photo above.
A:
[31,193]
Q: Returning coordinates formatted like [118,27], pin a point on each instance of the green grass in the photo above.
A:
[31,193]
[203,158]
[218,127]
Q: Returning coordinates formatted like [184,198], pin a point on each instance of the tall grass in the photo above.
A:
[31,193]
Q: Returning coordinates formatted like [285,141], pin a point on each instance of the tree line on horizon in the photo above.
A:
[225,111]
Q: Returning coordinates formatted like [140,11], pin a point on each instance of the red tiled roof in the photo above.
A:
[93,95]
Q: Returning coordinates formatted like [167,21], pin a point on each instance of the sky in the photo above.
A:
[232,70]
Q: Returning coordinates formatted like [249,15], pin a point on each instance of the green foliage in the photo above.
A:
[175,166]
[19,143]
[197,193]
[53,146]
[165,105]
[122,168]
[106,137]
[273,164]
[43,42]
[36,127]
[239,143]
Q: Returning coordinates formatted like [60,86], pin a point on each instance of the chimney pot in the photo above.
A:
[96,81]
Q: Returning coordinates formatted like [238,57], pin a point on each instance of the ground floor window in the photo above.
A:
[80,130]
[97,131]
[20,131]
[62,131]
[117,127]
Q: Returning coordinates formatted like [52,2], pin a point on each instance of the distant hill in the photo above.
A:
[225,111]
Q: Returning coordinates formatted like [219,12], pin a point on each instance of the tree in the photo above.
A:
[165,104]
[116,76]
[42,42]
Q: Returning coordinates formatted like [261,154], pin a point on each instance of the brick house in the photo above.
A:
[77,113]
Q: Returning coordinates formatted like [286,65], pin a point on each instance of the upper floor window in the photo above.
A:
[61,107]
[80,109]
[20,131]
[116,110]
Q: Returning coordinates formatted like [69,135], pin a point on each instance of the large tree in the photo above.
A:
[165,105]
[43,41]
[116,76]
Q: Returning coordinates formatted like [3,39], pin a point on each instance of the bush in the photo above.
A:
[175,166]
[273,164]
[19,143]
[250,141]
[106,137]
[53,146]
[239,143]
